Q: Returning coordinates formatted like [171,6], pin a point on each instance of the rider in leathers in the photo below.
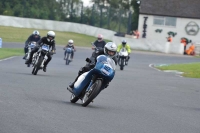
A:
[109,50]
[49,40]
[32,38]
[69,45]
[128,48]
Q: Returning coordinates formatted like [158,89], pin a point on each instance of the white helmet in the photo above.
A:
[110,47]
[35,32]
[70,42]
[50,34]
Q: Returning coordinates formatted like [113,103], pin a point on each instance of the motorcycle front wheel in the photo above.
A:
[37,66]
[67,59]
[92,93]
[122,64]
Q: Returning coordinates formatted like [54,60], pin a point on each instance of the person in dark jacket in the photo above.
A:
[48,40]
[110,49]
[99,43]
[32,38]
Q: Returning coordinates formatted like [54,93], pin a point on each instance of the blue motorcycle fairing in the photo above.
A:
[82,81]
[32,45]
[45,47]
[103,68]
[69,50]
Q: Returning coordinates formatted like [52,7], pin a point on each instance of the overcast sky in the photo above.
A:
[86,2]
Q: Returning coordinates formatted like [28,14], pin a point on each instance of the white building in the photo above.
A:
[179,16]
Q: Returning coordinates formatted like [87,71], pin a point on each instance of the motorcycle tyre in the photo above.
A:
[67,59]
[122,64]
[95,91]
[37,66]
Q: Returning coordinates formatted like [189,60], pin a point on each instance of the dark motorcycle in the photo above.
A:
[30,48]
[39,58]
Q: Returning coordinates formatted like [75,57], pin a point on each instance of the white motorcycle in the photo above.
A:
[122,57]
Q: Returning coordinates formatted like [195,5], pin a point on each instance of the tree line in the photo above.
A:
[117,15]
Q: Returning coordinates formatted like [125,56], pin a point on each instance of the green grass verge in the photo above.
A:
[14,34]
[8,52]
[191,70]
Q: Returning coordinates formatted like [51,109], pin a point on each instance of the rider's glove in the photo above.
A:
[53,52]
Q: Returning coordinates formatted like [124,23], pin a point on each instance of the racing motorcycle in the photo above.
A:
[68,58]
[90,83]
[122,56]
[39,58]
[30,47]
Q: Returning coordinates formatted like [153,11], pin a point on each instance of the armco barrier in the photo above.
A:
[141,44]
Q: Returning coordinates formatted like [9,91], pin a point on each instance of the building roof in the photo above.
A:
[173,8]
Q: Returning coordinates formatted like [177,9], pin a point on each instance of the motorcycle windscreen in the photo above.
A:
[32,45]
[106,65]
[69,50]
[45,47]
[123,52]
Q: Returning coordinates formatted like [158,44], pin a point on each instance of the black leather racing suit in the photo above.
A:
[31,38]
[40,43]
[100,44]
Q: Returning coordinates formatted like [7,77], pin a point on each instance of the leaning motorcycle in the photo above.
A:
[30,48]
[68,55]
[91,83]
[39,58]
[122,56]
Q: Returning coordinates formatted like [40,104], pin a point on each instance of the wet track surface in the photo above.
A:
[138,100]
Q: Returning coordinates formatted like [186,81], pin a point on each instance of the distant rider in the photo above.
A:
[100,43]
[124,44]
[34,37]
[69,45]
[48,40]
[109,50]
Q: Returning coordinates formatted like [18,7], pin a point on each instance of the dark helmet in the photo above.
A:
[123,42]
[35,32]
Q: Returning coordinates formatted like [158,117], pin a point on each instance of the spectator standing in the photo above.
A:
[190,50]
[136,33]
[169,39]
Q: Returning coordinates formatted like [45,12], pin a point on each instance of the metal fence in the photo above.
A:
[102,16]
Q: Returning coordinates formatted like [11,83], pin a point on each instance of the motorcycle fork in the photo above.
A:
[91,82]
[44,60]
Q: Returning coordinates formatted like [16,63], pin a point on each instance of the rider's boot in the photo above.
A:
[28,61]
[45,68]
[71,86]
[24,57]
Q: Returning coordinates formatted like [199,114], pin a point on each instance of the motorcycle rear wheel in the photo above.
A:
[92,93]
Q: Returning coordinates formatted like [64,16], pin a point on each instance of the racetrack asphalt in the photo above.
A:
[140,99]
